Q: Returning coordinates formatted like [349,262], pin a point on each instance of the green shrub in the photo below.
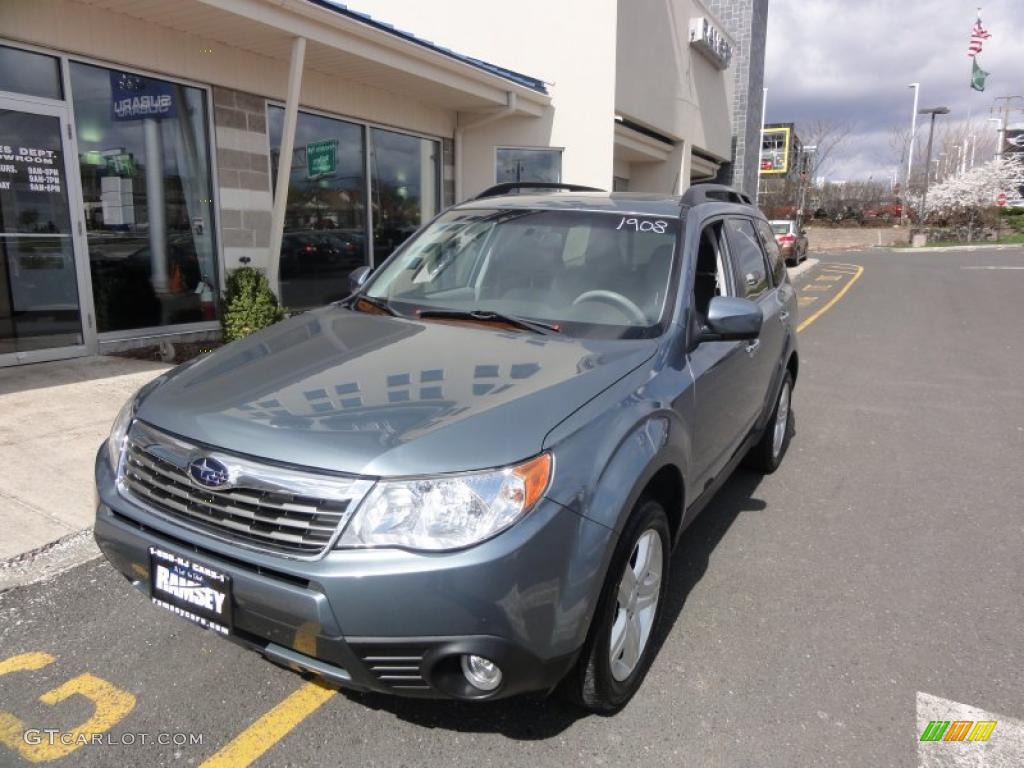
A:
[249,304]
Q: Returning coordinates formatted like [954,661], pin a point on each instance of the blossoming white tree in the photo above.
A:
[966,198]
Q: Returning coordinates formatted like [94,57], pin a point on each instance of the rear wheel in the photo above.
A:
[767,455]
[618,652]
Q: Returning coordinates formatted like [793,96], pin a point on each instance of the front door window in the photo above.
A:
[39,300]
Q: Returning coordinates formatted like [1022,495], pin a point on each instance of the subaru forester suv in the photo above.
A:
[467,478]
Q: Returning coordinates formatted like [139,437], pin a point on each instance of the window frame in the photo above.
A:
[366,125]
[560,151]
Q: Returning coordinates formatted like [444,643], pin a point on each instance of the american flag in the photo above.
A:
[978,35]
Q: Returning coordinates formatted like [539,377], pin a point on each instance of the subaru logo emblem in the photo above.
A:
[208,471]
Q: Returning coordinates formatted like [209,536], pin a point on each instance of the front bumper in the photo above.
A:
[393,621]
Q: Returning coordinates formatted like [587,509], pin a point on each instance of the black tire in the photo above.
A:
[591,684]
[764,457]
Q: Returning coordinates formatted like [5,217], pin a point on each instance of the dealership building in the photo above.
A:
[142,142]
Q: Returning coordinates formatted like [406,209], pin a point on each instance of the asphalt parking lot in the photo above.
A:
[816,615]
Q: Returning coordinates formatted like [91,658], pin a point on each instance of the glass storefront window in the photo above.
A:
[514,164]
[404,187]
[38,282]
[145,166]
[34,74]
[325,217]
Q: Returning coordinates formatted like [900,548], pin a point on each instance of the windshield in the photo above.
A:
[781,229]
[591,274]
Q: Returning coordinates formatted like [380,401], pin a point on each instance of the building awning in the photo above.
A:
[346,44]
[633,146]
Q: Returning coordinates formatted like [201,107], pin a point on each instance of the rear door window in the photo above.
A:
[748,260]
[771,247]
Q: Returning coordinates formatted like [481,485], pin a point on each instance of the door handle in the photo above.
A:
[784,315]
[753,346]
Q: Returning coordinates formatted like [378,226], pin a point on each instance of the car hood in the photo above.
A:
[382,396]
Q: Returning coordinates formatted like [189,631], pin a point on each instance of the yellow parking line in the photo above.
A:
[833,300]
[251,743]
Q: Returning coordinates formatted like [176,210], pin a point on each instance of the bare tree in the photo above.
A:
[829,137]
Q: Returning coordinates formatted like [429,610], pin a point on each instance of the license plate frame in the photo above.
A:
[191,590]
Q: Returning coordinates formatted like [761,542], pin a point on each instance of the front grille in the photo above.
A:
[397,668]
[265,507]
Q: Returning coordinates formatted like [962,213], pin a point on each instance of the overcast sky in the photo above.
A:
[852,60]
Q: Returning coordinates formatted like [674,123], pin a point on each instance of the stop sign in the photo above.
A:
[1001,199]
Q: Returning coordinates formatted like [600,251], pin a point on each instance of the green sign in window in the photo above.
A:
[321,157]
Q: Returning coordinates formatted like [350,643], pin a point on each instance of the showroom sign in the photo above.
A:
[710,41]
[133,97]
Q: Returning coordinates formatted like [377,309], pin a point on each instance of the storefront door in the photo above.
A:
[43,280]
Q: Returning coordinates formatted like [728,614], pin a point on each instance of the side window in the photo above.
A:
[710,278]
[748,260]
[771,247]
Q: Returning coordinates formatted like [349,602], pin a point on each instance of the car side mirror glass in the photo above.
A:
[357,277]
[731,319]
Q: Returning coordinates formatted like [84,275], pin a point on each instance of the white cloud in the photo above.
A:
[852,61]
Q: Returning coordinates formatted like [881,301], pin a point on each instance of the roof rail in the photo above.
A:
[714,193]
[510,186]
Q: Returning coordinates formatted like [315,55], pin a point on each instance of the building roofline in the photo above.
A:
[526,81]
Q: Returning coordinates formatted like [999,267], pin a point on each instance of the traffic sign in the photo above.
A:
[1001,199]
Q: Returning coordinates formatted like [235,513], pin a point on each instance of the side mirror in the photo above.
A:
[357,277]
[731,319]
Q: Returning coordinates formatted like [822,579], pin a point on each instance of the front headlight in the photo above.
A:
[447,512]
[119,430]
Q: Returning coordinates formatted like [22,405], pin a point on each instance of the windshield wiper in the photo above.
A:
[487,316]
[373,301]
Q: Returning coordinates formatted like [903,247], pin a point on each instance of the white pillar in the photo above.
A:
[284,164]
[154,152]
[760,145]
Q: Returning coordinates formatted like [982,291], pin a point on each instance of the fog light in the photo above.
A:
[481,673]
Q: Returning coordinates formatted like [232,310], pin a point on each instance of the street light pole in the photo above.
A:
[933,111]
[1002,130]
[910,149]
[806,171]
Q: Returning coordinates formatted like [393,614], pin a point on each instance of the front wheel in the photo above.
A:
[618,650]
[767,455]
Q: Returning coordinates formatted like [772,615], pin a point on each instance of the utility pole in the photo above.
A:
[806,170]
[999,142]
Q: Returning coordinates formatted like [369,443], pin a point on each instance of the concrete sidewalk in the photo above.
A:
[53,416]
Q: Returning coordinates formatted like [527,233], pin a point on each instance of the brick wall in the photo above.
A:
[243,175]
[747,22]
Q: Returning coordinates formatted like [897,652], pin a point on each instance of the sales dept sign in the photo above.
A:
[133,97]
[321,157]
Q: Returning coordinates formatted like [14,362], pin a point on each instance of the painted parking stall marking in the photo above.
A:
[845,275]
[41,743]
